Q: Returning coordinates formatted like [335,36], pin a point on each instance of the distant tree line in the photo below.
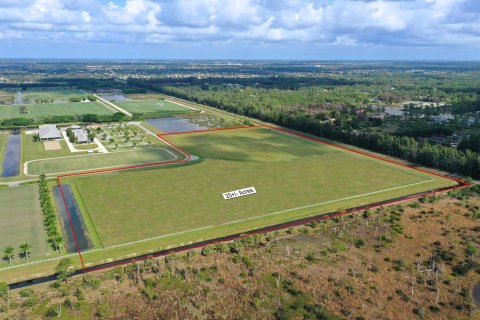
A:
[467,104]
[471,142]
[134,90]
[89,97]
[87,118]
[465,162]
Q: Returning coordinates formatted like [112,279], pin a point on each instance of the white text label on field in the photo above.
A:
[239,193]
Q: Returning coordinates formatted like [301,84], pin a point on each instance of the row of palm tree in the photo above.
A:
[25,248]
[49,216]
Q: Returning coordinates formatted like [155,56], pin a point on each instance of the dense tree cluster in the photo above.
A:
[471,142]
[466,104]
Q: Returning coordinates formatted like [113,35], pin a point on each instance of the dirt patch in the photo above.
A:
[52,145]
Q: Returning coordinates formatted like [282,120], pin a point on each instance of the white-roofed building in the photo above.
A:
[81,135]
[49,132]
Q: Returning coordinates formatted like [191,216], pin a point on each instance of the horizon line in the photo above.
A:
[241,59]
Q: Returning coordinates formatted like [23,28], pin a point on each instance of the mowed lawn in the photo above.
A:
[293,177]
[97,161]
[21,219]
[144,106]
[54,109]
[33,150]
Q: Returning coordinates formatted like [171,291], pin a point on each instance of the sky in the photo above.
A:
[241,29]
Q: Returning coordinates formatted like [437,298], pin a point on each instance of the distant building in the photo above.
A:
[49,132]
[443,118]
[81,135]
[470,121]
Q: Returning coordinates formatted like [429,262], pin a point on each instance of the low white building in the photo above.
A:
[49,132]
[81,136]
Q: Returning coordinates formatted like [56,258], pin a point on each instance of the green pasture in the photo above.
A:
[145,106]
[97,161]
[86,146]
[57,96]
[54,109]
[294,178]
[21,220]
[6,97]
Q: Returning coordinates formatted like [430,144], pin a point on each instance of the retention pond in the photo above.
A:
[11,162]
[174,124]
[77,220]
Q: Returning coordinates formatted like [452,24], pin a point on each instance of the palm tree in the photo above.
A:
[57,242]
[25,247]
[8,251]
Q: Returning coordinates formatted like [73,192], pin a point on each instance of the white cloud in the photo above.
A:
[340,22]
[345,40]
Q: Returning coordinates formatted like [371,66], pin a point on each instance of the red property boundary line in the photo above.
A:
[217,129]
[461,184]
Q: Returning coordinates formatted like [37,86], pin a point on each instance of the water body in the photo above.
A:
[174,124]
[11,163]
[77,219]
[476,295]
[115,97]
[19,98]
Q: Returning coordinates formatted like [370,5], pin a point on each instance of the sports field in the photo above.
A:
[74,163]
[294,178]
[21,220]
[54,109]
[145,106]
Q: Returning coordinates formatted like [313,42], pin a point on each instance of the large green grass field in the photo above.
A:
[54,109]
[294,178]
[74,163]
[58,95]
[21,220]
[145,106]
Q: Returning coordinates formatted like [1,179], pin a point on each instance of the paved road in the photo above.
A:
[114,106]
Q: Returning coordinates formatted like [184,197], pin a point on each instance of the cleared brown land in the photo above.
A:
[320,269]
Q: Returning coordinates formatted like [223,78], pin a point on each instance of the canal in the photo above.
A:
[76,217]
[11,162]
